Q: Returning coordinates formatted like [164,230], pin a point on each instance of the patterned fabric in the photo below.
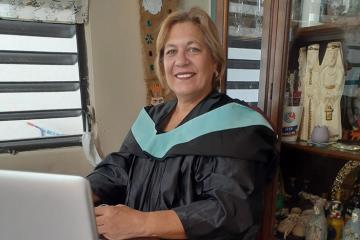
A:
[152,13]
[57,11]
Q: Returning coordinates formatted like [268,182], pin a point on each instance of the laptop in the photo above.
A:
[39,206]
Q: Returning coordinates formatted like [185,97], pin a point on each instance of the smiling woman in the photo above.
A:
[188,64]
[181,172]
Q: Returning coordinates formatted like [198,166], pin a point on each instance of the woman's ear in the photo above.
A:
[216,74]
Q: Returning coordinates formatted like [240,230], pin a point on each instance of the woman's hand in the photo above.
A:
[119,222]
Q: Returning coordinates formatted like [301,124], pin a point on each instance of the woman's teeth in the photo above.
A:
[184,75]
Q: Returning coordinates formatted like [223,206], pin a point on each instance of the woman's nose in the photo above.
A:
[181,59]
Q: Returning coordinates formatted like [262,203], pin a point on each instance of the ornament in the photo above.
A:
[320,134]
[152,6]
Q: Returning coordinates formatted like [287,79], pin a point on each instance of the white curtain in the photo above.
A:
[55,11]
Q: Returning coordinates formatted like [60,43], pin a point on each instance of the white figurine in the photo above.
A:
[316,229]
[311,90]
[332,79]
[352,227]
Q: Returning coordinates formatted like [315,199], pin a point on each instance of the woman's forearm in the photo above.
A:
[164,224]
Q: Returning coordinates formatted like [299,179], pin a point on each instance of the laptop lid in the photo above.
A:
[39,206]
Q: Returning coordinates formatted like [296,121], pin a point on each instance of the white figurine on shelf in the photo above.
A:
[332,79]
[352,227]
[316,229]
[311,92]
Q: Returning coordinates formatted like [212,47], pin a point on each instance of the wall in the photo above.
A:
[69,160]
[117,76]
[187,4]
[117,89]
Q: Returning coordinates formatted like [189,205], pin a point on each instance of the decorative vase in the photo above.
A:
[320,134]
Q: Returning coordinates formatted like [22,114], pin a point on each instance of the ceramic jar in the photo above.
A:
[320,134]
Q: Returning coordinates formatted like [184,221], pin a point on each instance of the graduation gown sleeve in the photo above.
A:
[109,179]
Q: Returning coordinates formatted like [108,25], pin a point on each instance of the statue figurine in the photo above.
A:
[310,91]
[352,227]
[335,220]
[332,79]
[156,94]
[316,229]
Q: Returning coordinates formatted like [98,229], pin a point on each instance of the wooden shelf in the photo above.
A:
[319,33]
[325,151]
[326,31]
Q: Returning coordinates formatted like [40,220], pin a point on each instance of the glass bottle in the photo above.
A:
[293,191]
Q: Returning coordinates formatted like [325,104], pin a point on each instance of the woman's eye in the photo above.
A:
[194,50]
[170,52]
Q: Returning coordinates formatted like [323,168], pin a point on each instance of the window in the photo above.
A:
[243,69]
[43,85]
[244,49]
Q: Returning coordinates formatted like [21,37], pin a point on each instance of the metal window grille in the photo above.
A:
[43,85]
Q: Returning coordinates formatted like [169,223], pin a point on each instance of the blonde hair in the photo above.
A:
[202,20]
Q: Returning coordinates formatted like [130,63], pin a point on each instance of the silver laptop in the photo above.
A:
[38,206]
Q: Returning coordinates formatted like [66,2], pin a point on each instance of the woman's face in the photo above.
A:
[188,64]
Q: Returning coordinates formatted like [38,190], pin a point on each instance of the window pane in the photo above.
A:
[240,7]
[39,101]
[249,75]
[244,53]
[24,129]
[38,44]
[41,73]
[247,95]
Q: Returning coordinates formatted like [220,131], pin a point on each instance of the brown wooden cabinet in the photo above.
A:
[327,33]
[286,26]
[273,63]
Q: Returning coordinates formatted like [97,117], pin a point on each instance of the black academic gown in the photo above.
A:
[213,179]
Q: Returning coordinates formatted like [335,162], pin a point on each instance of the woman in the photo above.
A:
[194,167]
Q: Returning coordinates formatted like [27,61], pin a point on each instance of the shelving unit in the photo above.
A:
[326,151]
[280,42]
[320,165]
[316,33]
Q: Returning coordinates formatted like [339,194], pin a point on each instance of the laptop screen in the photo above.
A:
[39,206]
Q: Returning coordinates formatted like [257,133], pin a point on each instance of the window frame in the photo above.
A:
[56,30]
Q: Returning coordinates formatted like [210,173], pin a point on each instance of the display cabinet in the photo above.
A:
[274,17]
[320,132]
[309,89]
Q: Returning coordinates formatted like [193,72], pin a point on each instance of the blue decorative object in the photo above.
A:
[352,227]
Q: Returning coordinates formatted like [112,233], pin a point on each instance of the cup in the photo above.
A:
[291,122]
